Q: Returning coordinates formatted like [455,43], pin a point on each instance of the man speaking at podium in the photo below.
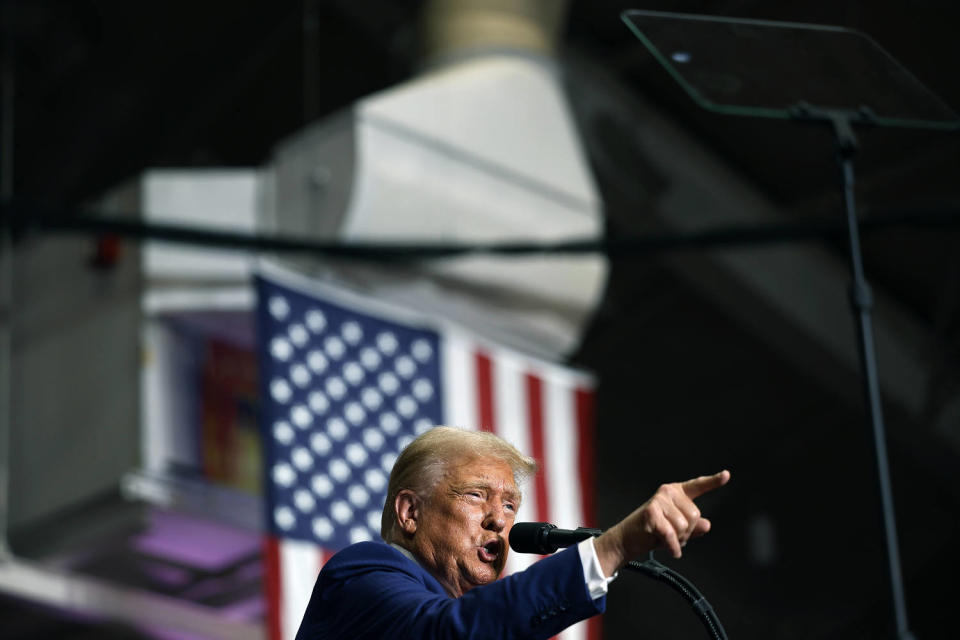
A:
[451,502]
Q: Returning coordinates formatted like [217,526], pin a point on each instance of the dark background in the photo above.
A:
[105,89]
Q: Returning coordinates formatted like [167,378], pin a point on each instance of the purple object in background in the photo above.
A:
[167,634]
[195,542]
[166,575]
[253,608]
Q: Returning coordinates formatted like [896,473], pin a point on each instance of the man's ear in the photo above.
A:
[406,506]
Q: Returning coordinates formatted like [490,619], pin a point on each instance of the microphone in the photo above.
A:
[545,538]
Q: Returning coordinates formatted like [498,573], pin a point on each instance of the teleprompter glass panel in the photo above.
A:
[765,68]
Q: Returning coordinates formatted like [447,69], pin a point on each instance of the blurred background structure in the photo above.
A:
[130,443]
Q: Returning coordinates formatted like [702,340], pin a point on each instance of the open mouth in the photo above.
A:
[490,550]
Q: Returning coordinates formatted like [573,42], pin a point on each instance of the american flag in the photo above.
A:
[348,382]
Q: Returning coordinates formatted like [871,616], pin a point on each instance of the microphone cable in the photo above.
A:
[684,587]
[544,538]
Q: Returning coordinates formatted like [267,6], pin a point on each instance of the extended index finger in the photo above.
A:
[699,486]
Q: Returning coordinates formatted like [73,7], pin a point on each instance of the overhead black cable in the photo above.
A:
[25,220]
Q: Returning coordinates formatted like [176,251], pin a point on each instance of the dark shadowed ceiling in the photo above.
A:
[105,89]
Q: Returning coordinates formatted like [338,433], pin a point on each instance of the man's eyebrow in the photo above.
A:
[511,494]
[473,484]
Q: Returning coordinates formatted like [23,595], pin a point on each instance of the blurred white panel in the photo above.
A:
[505,111]
[218,199]
[484,150]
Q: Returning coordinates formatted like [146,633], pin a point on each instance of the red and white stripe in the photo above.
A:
[542,409]
[291,570]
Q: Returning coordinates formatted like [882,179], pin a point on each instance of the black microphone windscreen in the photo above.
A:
[528,537]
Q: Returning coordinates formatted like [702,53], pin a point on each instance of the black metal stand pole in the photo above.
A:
[861,301]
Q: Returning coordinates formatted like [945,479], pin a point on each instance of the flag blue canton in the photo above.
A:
[344,392]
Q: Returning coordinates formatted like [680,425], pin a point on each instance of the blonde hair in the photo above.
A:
[422,464]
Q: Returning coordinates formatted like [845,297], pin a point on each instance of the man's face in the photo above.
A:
[461,533]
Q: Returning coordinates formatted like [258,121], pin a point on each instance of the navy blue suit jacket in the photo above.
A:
[371,590]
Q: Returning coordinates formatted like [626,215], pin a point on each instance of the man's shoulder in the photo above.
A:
[375,563]
[366,550]
[356,586]
[364,556]
[370,549]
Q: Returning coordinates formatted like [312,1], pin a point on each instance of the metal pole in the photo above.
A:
[862,300]
[7,88]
